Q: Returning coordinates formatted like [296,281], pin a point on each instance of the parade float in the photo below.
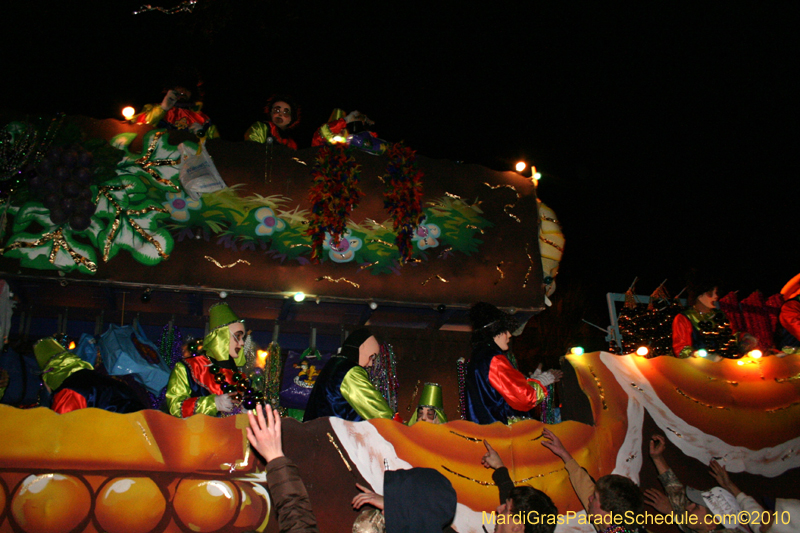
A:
[323,239]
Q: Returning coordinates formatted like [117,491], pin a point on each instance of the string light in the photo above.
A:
[299,296]
[128,112]
[701,353]
[642,351]
[576,350]
[520,166]
[755,354]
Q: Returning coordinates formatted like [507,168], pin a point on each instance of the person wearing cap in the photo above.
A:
[417,500]
[495,391]
[787,334]
[197,384]
[610,501]
[699,508]
[343,388]
[284,115]
[75,384]
[430,407]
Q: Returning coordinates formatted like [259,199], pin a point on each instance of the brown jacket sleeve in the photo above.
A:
[290,498]
[581,482]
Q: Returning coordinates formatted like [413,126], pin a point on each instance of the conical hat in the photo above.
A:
[46,349]
[221,315]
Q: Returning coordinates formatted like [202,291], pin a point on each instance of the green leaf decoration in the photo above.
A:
[160,161]
[134,222]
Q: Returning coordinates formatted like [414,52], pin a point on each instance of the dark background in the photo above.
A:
[666,132]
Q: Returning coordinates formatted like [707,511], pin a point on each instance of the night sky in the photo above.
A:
[667,132]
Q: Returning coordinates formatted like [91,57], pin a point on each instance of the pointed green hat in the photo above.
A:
[46,349]
[431,396]
[220,315]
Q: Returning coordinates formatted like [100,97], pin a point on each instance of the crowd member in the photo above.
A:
[284,115]
[702,326]
[495,390]
[353,129]
[196,384]
[343,388]
[525,502]
[431,406]
[787,334]
[178,111]
[612,494]
[703,506]
[289,495]
[417,500]
[75,384]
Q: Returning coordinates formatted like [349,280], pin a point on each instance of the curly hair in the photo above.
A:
[296,114]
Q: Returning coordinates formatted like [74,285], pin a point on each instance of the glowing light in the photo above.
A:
[261,354]
[338,139]
[373,305]
[537,176]
[740,362]
[299,296]
[701,353]
[576,350]
[642,350]
[128,112]
[71,345]
[755,354]
[521,165]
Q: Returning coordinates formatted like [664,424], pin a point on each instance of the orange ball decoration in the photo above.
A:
[206,505]
[130,505]
[50,503]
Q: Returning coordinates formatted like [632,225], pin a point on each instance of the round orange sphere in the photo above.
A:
[254,509]
[130,505]
[50,503]
[206,505]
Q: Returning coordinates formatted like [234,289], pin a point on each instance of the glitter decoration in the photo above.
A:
[333,441]
[461,371]
[218,264]
[402,196]
[550,412]
[465,437]
[147,164]
[411,403]
[502,274]
[120,212]
[790,378]
[437,276]
[366,266]
[379,241]
[770,411]
[479,482]
[383,374]
[59,243]
[674,432]
[530,266]
[328,278]
[599,387]
[187,6]
[508,207]
[296,160]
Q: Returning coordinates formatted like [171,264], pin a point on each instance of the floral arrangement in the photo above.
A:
[333,195]
[403,196]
